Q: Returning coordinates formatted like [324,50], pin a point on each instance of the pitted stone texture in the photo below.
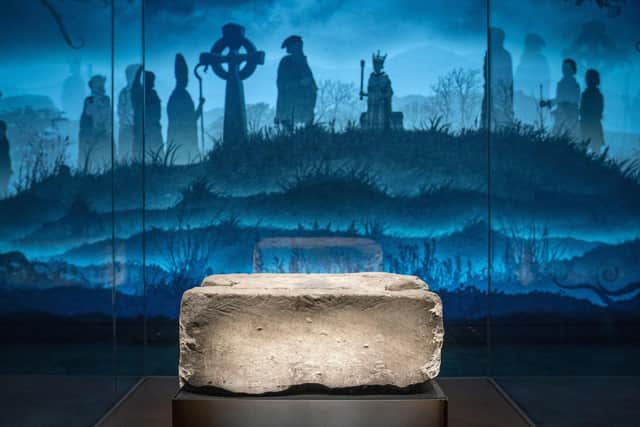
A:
[265,333]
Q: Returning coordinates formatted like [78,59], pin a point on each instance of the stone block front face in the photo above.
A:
[265,333]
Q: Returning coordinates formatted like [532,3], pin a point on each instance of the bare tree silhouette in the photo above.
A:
[466,86]
[259,116]
[444,94]
[337,103]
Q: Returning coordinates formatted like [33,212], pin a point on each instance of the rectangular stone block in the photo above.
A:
[266,333]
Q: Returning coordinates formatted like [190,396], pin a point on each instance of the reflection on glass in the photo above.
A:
[356,149]
[56,265]
[496,159]
[564,188]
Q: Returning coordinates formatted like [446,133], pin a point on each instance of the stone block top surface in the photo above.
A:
[351,283]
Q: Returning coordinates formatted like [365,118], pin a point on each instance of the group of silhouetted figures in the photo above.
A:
[139,114]
[297,91]
[139,110]
[139,106]
[577,115]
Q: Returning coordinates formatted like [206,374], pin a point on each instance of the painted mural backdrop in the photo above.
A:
[564,191]
[432,157]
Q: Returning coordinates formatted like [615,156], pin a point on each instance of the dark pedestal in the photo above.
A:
[426,406]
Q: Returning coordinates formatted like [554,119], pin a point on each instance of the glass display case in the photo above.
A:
[489,148]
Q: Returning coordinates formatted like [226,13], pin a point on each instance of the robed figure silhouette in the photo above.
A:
[147,115]
[533,75]
[126,129]
[532,81]
[74,90]
[5,160]
[297,89]
[379,95]
[94,139]
[566,102]
[591,109]
[497,108]
[182,131]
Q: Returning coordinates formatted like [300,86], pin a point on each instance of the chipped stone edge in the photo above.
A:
[430,370]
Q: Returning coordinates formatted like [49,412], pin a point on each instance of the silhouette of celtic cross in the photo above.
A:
[241,59]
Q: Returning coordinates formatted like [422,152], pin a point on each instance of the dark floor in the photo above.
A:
[58,400]
[585,402]
[70,401]
[473,402]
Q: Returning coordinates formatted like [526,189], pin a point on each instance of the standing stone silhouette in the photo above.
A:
[239,67]
[182,132]
[5,160]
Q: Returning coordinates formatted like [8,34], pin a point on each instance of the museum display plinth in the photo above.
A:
[425,406]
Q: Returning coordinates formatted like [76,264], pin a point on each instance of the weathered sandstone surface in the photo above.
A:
[263,333]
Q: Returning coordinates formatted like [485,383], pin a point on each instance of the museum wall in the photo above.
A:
[529,235]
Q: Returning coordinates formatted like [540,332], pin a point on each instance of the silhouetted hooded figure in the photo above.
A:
[125,116]
[567,98]
[591,109]
[5,160]
[152,114]
[500,84]
[533,69]
[182,132]
[297,89]
[94,140]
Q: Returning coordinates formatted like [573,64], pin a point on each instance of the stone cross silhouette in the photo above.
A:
[233,58]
